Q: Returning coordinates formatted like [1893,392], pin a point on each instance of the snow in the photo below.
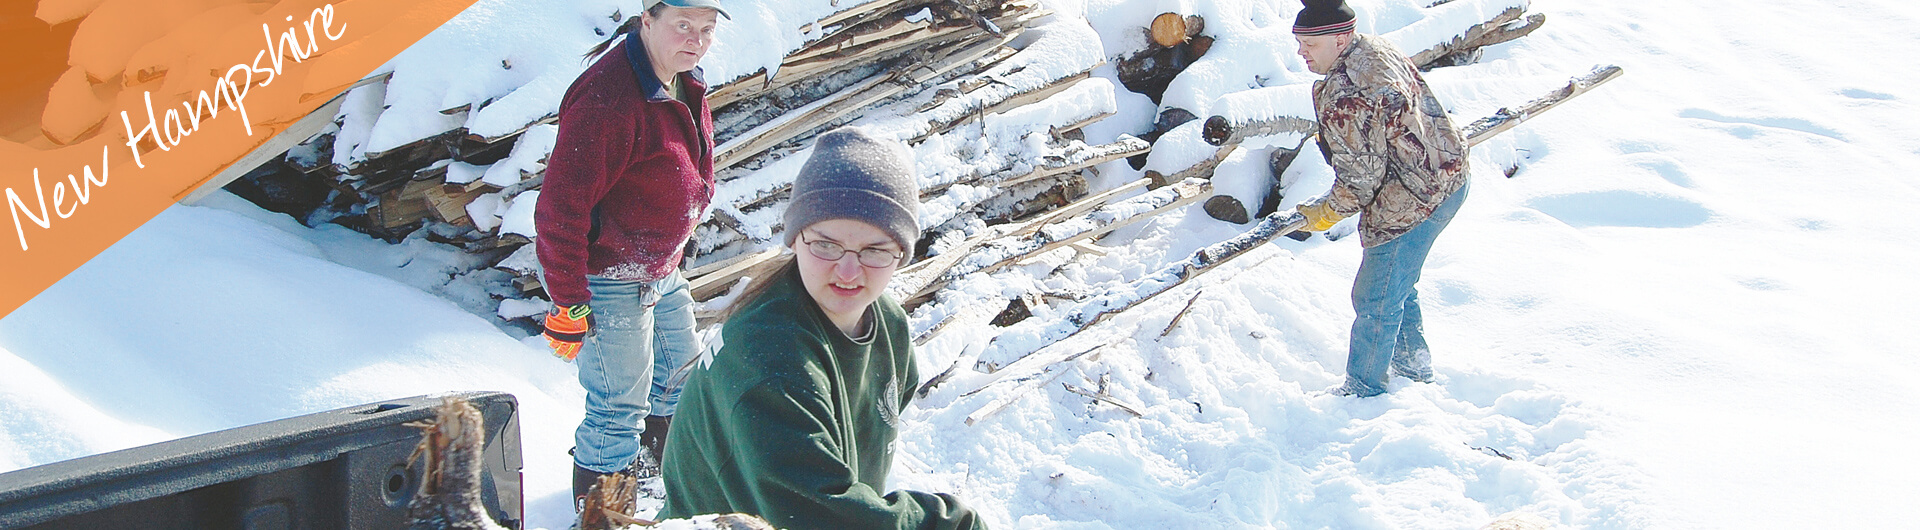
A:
[1683,310]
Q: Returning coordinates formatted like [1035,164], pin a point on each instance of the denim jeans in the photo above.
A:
[642,334]
[1386,307]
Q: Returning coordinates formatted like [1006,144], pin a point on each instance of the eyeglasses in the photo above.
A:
[878,258]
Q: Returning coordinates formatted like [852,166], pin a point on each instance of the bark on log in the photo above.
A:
[1481,34]
[1220,131]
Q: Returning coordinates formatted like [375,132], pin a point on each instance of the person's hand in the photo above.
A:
[566,327]
[1320,215]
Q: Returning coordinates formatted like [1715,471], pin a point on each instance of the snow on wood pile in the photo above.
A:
[990,95]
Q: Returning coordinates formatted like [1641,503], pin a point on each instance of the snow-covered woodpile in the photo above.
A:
[990,94]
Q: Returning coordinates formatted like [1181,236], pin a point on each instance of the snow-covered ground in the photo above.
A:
[1684,310]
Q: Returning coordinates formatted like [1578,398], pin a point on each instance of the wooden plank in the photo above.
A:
[404,205]
[451,206]
[716,283]
[710,268]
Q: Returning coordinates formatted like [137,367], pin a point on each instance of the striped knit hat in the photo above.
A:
[1323,17]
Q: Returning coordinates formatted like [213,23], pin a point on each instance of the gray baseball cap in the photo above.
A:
[703,4]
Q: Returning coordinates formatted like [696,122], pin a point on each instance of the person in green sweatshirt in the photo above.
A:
[795,417]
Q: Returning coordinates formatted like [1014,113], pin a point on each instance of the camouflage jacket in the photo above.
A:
[1394,153]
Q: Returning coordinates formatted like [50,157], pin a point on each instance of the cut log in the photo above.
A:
[1111,301]
[1168,29]
[1220,131]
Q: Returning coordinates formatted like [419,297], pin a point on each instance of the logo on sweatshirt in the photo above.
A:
[890,403]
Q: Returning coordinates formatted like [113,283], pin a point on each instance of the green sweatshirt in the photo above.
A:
[795,422]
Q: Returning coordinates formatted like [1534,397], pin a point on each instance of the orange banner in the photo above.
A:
[112,110]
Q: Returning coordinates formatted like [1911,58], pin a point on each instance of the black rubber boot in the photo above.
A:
[654,439]
[583,480]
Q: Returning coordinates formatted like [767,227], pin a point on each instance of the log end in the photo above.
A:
[1169,29]
[1216,131]
[1226,208]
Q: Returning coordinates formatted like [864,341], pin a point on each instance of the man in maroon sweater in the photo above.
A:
[630,177]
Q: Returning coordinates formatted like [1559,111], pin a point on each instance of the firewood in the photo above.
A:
[1493,31]
[1168,29]
[405,205]
[1079,159]
[1202,170]
[449,457]
[960,111]
[859,96]
[1031,239]
[451,207]
[1117,299]
[804,66]
[1221,131]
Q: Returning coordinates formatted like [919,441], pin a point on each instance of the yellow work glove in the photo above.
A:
[1320,215]
[566,327]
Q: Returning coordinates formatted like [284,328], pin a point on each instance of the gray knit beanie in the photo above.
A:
[855,175]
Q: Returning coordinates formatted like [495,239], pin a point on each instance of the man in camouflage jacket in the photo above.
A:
[1399,163]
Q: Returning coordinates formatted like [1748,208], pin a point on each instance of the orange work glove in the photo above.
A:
[566,327]
[1320,215]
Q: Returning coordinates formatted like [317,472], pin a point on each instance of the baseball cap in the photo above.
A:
[703,4]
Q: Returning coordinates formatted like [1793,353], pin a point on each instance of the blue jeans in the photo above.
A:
[1386,307]
[642,335]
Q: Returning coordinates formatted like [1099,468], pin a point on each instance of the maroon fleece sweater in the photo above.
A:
[630,176]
